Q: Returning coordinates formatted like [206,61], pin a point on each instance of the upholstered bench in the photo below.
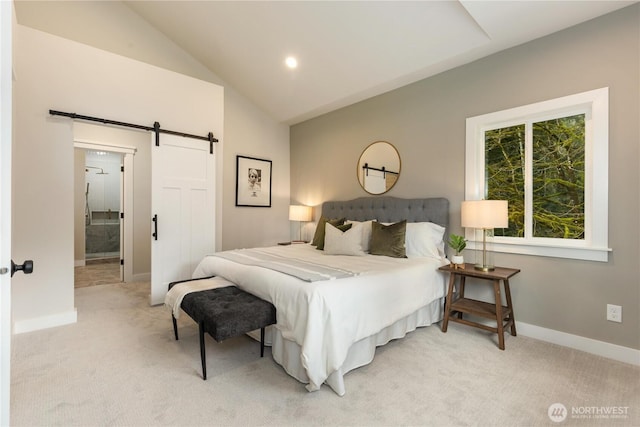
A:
[226,313]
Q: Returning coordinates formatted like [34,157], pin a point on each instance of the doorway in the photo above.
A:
[103,190]
[102,232]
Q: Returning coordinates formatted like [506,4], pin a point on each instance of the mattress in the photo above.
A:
[326,328]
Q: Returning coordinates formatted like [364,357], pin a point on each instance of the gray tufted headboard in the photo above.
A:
[390,209]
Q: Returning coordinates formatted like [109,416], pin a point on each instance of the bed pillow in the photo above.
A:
[388,240]
[366,233]
[341,227]
[318,237]
[424,239]
[344,239]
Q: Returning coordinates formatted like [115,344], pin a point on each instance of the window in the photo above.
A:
[550,161]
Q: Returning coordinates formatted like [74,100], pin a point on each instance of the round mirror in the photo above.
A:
[378,167]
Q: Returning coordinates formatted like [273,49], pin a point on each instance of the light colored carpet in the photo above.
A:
[97,272]
[120,365]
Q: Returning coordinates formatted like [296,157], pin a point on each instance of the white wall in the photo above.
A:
[254,134]
[55,73]
[104,188]
[249,131]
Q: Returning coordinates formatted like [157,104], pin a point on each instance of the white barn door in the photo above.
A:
[183,209]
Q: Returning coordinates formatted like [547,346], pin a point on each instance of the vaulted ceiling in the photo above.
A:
[347,51]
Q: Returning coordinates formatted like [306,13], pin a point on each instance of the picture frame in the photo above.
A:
[253,182]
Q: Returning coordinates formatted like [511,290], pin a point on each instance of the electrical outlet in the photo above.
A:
[614,313]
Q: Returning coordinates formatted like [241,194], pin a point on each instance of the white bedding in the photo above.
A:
[325,318]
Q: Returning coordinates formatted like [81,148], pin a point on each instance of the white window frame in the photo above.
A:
[595,105]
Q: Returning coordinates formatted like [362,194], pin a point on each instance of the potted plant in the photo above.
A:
[457,243]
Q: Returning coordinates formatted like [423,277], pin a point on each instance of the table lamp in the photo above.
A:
[485,215]
[301,214]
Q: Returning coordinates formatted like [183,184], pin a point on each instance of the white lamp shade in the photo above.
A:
[300,213]
[485,214]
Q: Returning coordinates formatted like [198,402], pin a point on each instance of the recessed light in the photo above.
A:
[291,62]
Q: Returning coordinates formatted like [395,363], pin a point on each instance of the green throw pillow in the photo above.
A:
[341,227]
[318,237]
[388,240]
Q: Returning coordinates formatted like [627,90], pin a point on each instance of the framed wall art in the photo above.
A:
[253,182]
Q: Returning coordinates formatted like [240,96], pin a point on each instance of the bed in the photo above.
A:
[332,321]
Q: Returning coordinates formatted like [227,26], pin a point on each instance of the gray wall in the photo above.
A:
[426,123]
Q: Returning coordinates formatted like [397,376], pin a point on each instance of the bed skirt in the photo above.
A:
[287,353]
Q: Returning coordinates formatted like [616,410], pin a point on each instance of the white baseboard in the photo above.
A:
[600,348]
[45,322]
[79,263]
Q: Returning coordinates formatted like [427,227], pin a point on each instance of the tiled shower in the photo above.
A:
[102,204]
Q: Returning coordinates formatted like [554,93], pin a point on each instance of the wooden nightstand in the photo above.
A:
[503,316]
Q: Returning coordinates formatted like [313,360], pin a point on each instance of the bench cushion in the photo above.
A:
[228,312]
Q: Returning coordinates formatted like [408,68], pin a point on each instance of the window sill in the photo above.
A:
[539,249]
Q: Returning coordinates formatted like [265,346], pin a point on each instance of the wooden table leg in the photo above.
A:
[461,293]
[447,307]
[498,297]
[512,316]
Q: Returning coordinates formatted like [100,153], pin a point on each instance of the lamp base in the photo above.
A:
[484,258]
[484,267]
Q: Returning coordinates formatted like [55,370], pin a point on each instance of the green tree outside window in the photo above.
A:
[557,176]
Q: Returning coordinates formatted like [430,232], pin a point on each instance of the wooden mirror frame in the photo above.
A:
[380,160]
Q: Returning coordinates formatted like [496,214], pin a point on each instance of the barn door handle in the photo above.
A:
[155,227]
[26,268]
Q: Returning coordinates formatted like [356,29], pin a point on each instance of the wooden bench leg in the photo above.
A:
[175,326]
[202,352]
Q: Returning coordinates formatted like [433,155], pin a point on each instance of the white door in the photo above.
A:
[5,208]
[183,209]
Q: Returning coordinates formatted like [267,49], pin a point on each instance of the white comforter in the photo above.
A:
[326,317]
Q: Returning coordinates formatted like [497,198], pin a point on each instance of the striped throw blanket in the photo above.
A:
[173,299]
[302,269]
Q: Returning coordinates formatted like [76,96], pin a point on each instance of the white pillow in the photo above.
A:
[366,233]
[337,242]
[424,239]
